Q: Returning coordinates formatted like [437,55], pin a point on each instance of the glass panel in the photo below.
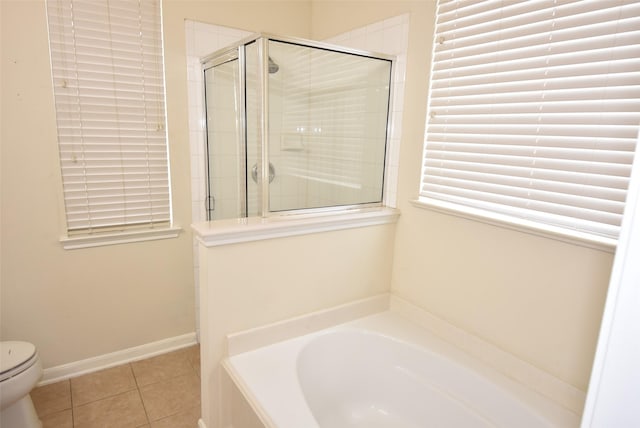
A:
[224,142]
[328,121]
[253,110]
[327,124]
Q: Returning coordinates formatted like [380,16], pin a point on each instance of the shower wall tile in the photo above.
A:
[195,122]
[197,147]
[398,96]
[192,69]
[202,39]
[206,42]
[390,37]
[325,134]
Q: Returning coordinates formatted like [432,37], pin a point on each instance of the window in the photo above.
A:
[107,68]
[534,111]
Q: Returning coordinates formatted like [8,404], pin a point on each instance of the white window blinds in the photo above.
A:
[107,67]
[534,110]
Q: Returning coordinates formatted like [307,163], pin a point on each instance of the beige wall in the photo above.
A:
[74,304]
[537,298]
[83,303]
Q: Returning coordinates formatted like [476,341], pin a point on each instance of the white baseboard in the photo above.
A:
[202,425]
[77,368]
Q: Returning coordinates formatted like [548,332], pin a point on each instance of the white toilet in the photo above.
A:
[20,370]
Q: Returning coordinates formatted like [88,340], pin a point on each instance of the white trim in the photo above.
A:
[89,365]
[254,338]
[614,385]
[98,240]
[224,232]
[247,394]
[558,391]
[201,424]
[575,237]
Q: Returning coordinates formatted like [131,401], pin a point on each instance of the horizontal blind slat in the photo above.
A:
[107,69]
[534,109]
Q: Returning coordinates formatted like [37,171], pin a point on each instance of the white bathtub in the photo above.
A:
[383,371]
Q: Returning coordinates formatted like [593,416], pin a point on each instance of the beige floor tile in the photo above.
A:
[194,356]
[63,419]
[52,398]
[168,388]
[102,384]
[185,419]
[163,367]
[122,411]
[170,397]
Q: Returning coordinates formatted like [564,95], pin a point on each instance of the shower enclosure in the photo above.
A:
[294,126]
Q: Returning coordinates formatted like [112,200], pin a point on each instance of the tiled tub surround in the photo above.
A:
[268,375]
[158,392]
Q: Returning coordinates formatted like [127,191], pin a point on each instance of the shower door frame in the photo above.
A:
[230,53]
[211,61]
[262,41]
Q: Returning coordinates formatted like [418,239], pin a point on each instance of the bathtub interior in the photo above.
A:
[378,381]
[372,373]
[371,384]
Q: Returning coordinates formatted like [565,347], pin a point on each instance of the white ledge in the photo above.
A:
[100,239]
[232,231]
[533,228]
[248,340]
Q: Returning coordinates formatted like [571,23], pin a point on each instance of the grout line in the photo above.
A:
[135,379]
[146,413]
[73,419]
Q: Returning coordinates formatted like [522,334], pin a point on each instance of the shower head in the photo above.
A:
[273,67]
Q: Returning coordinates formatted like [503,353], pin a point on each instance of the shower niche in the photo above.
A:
[294,126]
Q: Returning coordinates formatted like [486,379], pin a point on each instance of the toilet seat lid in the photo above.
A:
[13,354]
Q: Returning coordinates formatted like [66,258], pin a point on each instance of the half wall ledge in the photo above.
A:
[232,231]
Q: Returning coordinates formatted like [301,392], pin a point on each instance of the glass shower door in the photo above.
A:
[294,127]
[225,138]
[328,115]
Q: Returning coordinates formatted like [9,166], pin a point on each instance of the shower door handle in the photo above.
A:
[254,172]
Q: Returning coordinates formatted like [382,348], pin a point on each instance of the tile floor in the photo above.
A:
[159,392]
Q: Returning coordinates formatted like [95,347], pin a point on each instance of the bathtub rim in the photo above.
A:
[544,383]
[247,394]
[534,399]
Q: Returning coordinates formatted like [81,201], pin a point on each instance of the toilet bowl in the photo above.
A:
[20,370]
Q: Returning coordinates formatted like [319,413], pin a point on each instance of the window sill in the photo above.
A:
[552,232]
[98,240]
[232,231]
